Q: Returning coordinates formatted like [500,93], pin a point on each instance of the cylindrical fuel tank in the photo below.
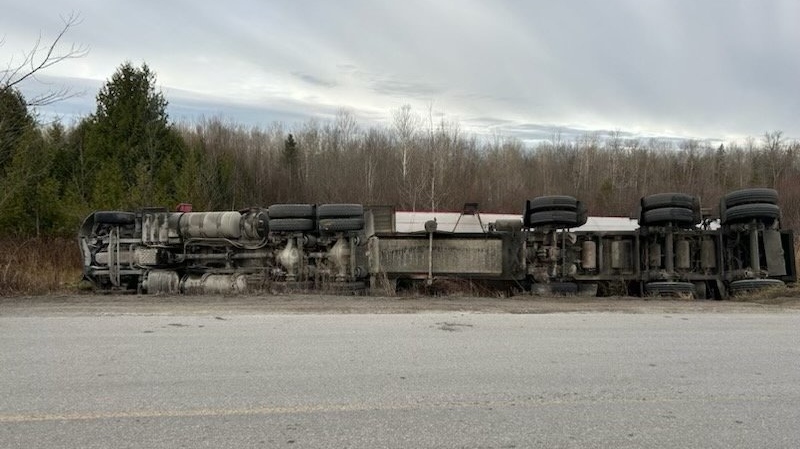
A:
[222,284]
[589,255]
[211,225]
[683,256]
[161,281]
[708,254]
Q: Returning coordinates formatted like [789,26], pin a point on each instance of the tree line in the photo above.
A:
[128,154]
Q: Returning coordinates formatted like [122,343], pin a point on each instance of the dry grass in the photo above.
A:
[771,295]
[38,266]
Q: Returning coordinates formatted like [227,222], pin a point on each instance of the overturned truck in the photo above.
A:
[676,250]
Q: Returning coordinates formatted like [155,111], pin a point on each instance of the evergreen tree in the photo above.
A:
[291,157]
[28,192]
[15,121]
[130,137]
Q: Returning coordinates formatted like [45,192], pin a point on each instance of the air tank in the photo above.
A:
[589,255]
[683,255]
[654,255]
[508,225]
[708,254]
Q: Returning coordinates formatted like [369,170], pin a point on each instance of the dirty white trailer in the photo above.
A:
[670,249]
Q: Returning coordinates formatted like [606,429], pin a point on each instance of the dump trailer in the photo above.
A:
[675,251]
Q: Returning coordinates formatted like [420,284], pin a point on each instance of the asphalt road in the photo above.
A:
[432,379]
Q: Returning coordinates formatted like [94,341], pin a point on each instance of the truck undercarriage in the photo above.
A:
[675,251]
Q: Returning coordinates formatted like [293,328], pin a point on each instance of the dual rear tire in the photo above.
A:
[324,217]
[677,209]
[557,211]
[745,205]
[291,217]
[340,217]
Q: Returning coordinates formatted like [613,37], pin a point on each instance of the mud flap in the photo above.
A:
[773,249]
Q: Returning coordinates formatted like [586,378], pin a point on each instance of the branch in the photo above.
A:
[41,57]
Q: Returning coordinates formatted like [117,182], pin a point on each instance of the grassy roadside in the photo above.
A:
[37,266]
[770,296]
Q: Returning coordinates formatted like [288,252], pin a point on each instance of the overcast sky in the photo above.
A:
[685,68]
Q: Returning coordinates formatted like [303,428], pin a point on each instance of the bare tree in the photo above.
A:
[776,155]
[405,124]
[40,57]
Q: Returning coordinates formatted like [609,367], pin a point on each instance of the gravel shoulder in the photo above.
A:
[93,304]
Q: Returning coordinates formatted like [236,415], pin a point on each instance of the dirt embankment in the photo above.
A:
[330,304]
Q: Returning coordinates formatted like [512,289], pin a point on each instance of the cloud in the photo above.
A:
[662,67]
[404,88]
[311,79]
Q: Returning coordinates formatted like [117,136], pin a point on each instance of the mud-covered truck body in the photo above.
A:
[674,251]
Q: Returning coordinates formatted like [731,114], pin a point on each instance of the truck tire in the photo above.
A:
[340,210]
[341,224]
[745,212]
[664,215]
[750,196]
[556,218]
[669,288]
[661,200]
[745,286]
[291,224]
[588,289]
[291,211]
[564,288]
[553,202]
[554,288]
[114,217]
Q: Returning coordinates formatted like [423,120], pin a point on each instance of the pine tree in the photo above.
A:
[291,157]
[131,128]
[15,121]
